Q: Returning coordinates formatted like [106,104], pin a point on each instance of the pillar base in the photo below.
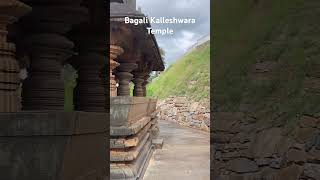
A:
[132,119]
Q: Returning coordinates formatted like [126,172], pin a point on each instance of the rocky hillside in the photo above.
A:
[189,76]
[266,91]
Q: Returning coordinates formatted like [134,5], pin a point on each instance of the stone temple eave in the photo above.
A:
[159,64]
[133,15]
[150,42]
[143,43]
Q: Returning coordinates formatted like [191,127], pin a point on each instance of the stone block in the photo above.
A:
[130,141]
[135,170]
[242,165]
[292,172]
[152,106]
[312,170]
[129,154]
[125,110]
[158,143]
[53,146]
[52,123]
[131,129]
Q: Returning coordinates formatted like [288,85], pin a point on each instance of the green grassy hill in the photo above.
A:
[281,35]
[189,76]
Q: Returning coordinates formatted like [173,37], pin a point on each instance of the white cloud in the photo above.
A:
[185,34]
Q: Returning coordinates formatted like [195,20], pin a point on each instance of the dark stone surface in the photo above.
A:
[52,123]
[53,146]
[126,110]
[242,165]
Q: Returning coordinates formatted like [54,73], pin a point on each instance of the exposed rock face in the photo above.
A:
[255,150]
[185,112]
[266,96]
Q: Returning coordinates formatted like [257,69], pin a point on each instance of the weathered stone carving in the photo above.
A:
[48,49]
[44,142]
[10,11]
[138,84]
[144,84]
[90,94]
[133,120]
[115,51]
[125,76]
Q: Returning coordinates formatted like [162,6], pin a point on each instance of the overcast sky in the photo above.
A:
[185,35]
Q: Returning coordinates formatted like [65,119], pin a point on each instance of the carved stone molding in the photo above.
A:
[125,76]
[10,11]
[49,49]
[138,81]
[91,91]
[115,51]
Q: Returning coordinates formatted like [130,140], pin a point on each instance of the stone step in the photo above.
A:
[130,154]
[134,170]
[131,141]
[158,143]
[129,130]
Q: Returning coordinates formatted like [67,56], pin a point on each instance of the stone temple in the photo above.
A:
[134,54]
[39,140]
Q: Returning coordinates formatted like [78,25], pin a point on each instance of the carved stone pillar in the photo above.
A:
[48,49]
[144,85]
[138,81]
[125,76]
[10,11]
[115,51]
[90,95]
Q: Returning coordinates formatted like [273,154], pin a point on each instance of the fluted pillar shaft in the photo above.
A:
[115,51]
[10,11]
[44,88]
[125,76]
[49,49]
[91,92]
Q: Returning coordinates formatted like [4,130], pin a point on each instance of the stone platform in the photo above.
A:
[47,145]
[133,127]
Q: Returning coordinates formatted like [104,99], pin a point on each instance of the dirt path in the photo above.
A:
[185,154]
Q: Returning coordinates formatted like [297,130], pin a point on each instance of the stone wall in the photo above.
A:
[246,149]
[53,145]
[185,112]
[266,122]
[133,127]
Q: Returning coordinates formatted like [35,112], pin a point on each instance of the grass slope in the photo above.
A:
[189,76]
[248,32]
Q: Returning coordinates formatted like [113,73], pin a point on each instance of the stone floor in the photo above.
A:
[185,154]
